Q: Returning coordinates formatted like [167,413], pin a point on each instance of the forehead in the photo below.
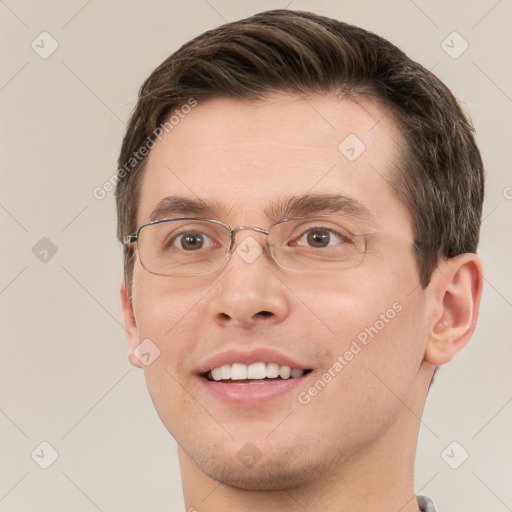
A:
[247,156]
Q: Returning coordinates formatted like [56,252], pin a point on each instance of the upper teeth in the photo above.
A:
[239,371]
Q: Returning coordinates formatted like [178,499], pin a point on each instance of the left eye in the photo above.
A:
[320,237]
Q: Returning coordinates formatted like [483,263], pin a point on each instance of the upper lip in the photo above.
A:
[265,355]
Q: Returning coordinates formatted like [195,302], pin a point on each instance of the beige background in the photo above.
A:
[64,374]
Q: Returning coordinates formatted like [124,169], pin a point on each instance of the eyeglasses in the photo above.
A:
[190,246]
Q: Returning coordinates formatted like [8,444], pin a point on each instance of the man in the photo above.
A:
[300,205]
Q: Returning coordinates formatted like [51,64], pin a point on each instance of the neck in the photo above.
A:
[380,478]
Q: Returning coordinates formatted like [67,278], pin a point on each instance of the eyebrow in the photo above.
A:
[308,204]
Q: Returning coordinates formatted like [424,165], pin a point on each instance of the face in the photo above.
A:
[357,333]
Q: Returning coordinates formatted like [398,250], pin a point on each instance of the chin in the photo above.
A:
[266,475]
[276,466]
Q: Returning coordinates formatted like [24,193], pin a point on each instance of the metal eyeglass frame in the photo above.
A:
[130,239]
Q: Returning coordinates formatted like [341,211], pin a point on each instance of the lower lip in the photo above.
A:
[250,394]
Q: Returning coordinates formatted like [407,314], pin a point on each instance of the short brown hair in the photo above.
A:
[440,177]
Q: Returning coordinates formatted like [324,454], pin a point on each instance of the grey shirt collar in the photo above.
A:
[426,504]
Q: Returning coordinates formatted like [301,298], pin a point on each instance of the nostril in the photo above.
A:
[265,313]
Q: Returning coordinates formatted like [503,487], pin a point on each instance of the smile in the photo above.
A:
[251,378]
[255,372]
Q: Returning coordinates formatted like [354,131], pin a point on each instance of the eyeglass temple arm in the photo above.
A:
[129,239]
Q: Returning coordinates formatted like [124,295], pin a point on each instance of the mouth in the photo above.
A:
[255,373]
[251,378]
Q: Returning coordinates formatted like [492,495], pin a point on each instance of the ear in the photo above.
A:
[130,325]
[456,291]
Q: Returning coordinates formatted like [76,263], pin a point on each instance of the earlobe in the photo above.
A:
[130,324]
[456,292]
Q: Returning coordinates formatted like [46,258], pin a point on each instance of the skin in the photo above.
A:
[352,446]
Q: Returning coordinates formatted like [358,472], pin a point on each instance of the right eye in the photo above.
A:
[190,241]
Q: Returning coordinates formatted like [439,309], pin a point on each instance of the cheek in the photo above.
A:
[378,324]
[163,306]
[166,318]
[167,315]
[372,361]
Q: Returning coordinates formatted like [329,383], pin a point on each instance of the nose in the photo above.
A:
[249,292]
